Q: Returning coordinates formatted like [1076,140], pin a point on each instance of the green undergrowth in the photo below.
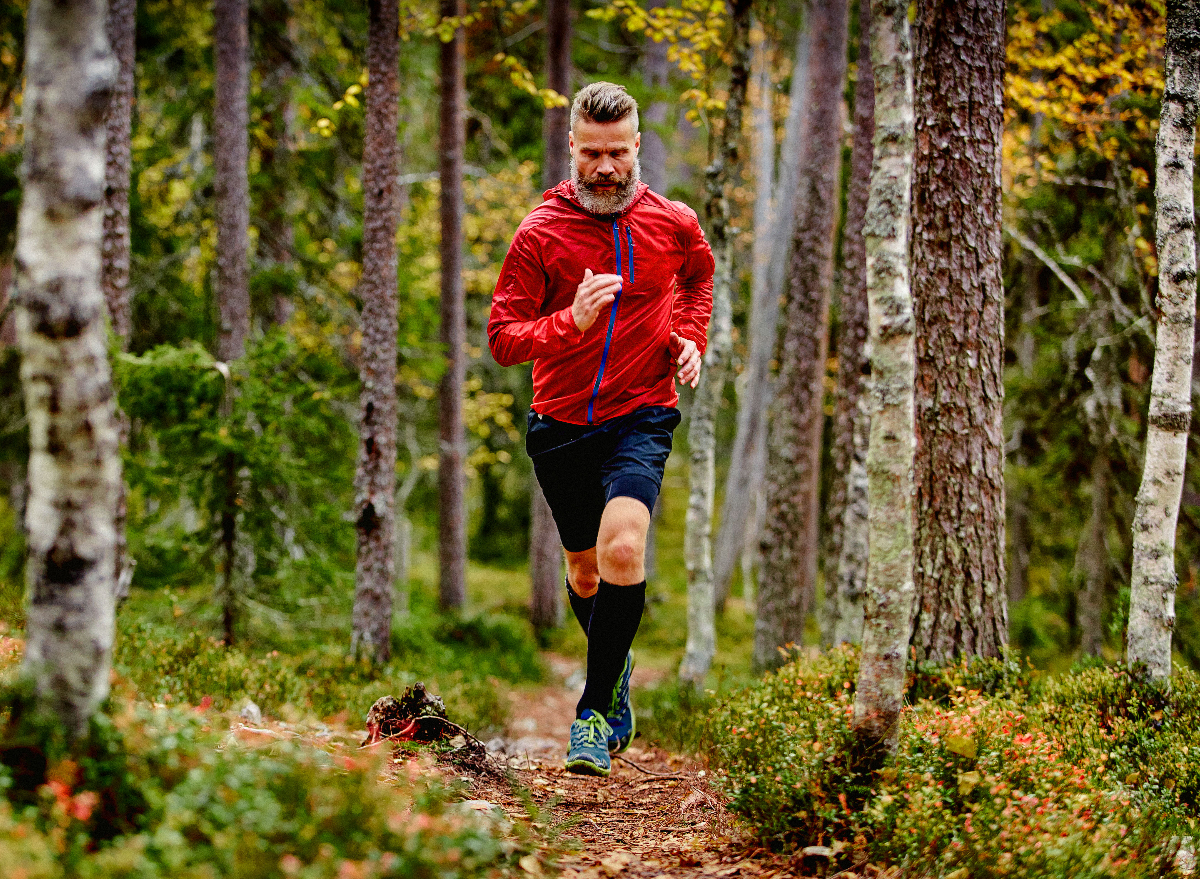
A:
[999,771]
[466,661]
[166,793]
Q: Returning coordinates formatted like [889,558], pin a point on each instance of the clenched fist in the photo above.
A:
[687,355]
[593,294]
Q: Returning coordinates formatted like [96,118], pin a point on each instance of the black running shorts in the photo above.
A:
[581,467]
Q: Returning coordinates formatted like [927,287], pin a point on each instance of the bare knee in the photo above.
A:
[584,576]
[622,558]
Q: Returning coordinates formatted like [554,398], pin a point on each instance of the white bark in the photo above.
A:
[741,510]
[697,542]
[890,590]
[74,468]
[1152,598]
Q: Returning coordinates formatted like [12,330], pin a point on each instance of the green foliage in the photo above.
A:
[154,796]
[998,772]
[675,716]
[461,660]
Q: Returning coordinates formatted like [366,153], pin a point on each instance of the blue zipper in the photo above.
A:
[629,238]
[612,317]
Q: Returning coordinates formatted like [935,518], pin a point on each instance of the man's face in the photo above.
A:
[604,164]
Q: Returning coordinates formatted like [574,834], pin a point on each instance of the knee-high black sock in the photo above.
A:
[581,607]
[615,620]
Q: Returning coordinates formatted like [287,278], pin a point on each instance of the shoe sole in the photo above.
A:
[587,767]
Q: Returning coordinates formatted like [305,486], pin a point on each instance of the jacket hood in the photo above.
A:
[566,191]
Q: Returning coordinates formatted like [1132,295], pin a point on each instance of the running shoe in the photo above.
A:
[620,712]
[588,754]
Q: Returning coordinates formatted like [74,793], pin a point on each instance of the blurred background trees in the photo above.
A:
[1075,263]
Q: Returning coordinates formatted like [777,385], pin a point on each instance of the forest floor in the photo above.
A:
[656,815]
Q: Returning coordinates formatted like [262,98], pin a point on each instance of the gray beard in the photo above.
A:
[606,202]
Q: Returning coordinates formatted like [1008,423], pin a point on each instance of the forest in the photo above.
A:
[921,580]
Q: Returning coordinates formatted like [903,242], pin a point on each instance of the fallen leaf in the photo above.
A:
[530,864]
[616,862]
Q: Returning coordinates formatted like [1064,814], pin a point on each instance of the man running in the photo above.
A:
[607,288]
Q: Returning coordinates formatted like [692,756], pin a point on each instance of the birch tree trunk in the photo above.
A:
[890,590]
[545,551]
[847,573]
[452,482]
[741,509]
[375,476]
[958,296]
[232,185]
[74,467]
[787,581]
[1153,580]
[702,440]
[119,27]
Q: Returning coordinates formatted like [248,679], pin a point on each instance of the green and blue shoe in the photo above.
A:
[620,712]
[588,754]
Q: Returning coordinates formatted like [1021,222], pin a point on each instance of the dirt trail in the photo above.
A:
[655,816]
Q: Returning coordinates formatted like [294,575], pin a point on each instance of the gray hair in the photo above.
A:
[604,102]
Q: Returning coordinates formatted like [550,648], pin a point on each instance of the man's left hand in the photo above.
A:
[687,355]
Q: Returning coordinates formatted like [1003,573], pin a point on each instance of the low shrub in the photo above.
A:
[1090,774]
[209,809]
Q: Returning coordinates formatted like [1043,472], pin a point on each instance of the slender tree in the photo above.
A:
[545,551]
[276,234]
[1153,580]
[851,416]
[890,589]
[230,161]
[742,509]
[120,26]
[375,478]
[118,122]
[958,298]
[452,484]
[655,71]
[702,441]
[75,469]
[787,581]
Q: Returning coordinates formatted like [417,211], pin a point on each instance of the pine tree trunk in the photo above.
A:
[653,154]
[231,173]
[119,26]
[277,236]
[118,122]
[452,483]
[75,469]
[787,582]
[1153,580]
[958,297]
[851,415]
[702,440]
[545,551]
[741,509]
[230,158]
[890,590]
[375,477]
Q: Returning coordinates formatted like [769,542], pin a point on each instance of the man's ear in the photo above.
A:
[570,139]
[637,142]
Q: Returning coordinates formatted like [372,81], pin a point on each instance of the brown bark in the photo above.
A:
[375,479]
[277,236]
[787,582]
[545,551]
[959,306]
[230,157]
[452,487]
[847,571]
[75,468]
[118,122]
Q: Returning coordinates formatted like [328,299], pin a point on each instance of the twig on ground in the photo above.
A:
[641,768]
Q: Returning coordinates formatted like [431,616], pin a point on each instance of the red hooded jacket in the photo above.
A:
[623,361]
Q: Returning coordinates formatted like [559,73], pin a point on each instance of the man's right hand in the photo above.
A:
[593,294]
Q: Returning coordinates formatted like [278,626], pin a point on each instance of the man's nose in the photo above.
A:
[606,165]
